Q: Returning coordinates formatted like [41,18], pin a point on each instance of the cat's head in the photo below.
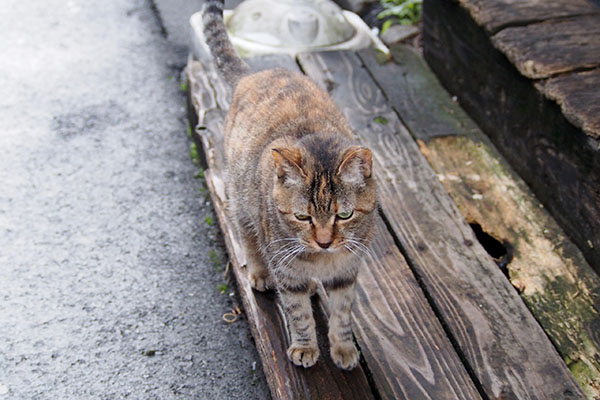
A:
[325,193]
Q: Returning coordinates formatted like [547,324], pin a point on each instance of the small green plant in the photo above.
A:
[381,120]
[183,87]
[208,220]
[189,131]
[405,12]
[223,287]
[194,153]
[200,174]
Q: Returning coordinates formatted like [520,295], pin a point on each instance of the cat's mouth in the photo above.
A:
[320,248]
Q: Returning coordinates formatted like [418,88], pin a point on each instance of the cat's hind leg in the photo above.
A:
[258,274]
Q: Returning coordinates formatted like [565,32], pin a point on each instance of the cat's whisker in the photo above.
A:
[288,255]
[280,240]
[351,250]
[282,253]
[361,246]
[295,254]
[358,247]
[283,249]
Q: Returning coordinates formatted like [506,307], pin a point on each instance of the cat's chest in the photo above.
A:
[327,266]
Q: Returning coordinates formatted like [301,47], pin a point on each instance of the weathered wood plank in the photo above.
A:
[552,47]
[408,353]
[495,14]
[414,93]
[556,282]
[324,380]
[579,99]
[559,161]
[503,344]
[553,277]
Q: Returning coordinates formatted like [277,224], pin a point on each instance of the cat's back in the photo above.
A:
[278,103]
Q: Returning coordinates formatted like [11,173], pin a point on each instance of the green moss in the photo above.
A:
[223,287]
[567,315]
[381,120]
[194,153]
[587,376]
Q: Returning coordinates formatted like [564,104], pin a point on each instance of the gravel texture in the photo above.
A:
[109,282]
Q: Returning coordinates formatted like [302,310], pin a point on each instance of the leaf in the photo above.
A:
[386,25]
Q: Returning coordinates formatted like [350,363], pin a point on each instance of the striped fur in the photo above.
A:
[228,61]
[300,192]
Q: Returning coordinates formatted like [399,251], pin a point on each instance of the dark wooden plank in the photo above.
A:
[414,94]
[558,285]
[579,99]
[496,14]
[391,314]
[559,161]
[503,344]
[552,47]
[324,380]
[408,353]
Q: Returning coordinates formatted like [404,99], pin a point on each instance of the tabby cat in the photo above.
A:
[300,191]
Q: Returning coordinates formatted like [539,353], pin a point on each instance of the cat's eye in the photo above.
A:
[302,217]
[345,215]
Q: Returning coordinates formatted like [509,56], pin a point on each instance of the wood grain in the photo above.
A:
[496,14]
[414,93]
[286,381]
[577,95]
[558,160]
[503,344]
[558,285]
[552,47]
[408,353]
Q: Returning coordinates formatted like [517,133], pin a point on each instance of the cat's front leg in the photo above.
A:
[342,348]
[295,300]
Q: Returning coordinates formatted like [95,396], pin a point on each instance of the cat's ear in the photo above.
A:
[287,161]
[356,165]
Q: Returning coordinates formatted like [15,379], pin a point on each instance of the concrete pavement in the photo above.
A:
[109,286]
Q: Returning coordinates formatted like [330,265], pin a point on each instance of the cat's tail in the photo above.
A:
[228,61]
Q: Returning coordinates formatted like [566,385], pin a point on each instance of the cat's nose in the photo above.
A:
[324,245]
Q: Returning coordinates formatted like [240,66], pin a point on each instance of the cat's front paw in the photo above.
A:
[261,282]
[303,356]
[344,355]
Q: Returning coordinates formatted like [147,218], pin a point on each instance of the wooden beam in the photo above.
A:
[577,95]
[503,344]
[558,285]
[553,47]
[497,14]
[408,354]
[559,161]
[407,351]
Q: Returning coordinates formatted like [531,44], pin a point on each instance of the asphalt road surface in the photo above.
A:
[110,271]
